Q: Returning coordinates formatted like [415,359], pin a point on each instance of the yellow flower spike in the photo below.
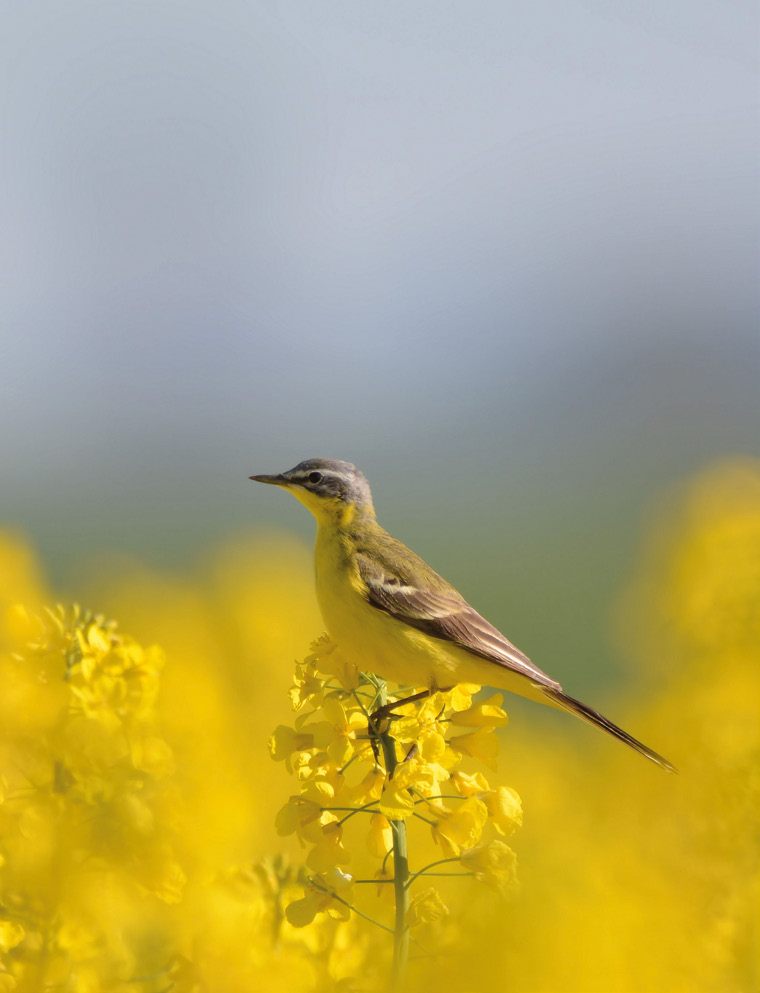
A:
[504,809]
[481,744]
[380,837]
[469,784]
[494,864]
[461,827]
[489,713]
[426,907]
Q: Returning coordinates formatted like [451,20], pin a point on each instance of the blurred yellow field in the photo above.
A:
[143,843]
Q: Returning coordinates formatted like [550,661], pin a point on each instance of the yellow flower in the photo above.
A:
[307,687]
[396,801]
[385,876]
[322,896]
[489,714]
[396,804]
[504,809]
[459,697]
[426,907]
[345,725]
[481,744]
[329,661]
[284,741]
[494,863]
[303,817]
[329,851]
[380,837]
[431,745]
[461,828]
[369,788]
[468,784]
[416,772]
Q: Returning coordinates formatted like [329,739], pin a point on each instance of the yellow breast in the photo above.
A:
[368,637]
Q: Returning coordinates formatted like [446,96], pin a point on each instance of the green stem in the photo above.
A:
[400,866]
[430,865]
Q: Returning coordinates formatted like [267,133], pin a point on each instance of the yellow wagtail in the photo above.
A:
[390,613]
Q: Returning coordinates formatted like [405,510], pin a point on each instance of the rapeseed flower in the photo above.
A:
[388,776]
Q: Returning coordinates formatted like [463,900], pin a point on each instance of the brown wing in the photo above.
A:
[438,610]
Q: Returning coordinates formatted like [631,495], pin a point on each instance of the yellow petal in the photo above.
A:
[489,713]
[396,804]
[481,744]
[505,809]
[431,745]
[426,907]
[380,838]
[302,912]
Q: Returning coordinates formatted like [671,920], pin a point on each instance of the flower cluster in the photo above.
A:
[100,888]
[357,758]
[86,817]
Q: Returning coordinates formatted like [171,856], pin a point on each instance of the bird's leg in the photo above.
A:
[384,712]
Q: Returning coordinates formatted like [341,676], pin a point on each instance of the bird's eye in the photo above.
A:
[315,477]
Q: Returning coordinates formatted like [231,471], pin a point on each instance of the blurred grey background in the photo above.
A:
[503,256]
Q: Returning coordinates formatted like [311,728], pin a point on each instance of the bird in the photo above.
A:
[390,613]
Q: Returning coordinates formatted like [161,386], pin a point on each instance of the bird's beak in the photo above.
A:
[278,480]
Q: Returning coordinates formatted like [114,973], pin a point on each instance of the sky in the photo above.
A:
[501,256]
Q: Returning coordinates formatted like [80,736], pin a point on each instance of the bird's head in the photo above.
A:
[331,489]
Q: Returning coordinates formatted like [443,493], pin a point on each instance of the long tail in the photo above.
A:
[591,716]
